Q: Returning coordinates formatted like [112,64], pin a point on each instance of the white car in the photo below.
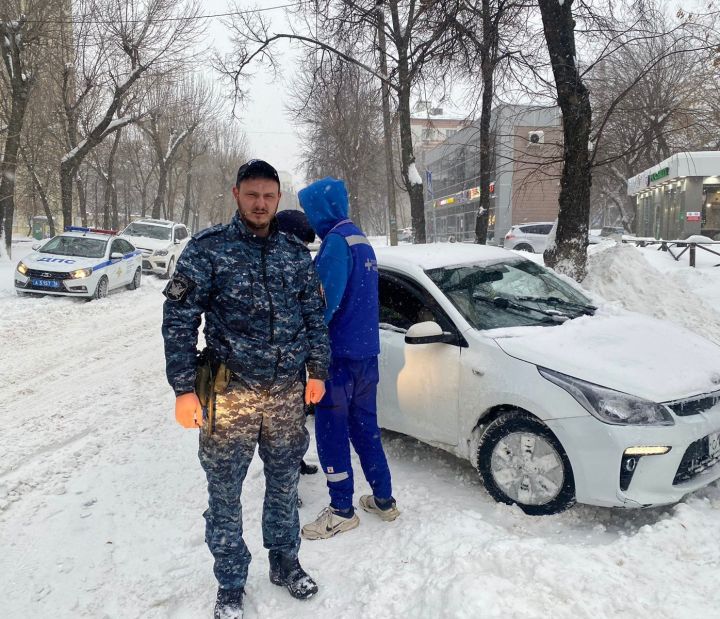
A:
[494,358]
[530,237]
[161,243]
[81,262]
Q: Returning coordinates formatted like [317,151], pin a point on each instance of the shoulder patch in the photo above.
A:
[178,288]
[212,230]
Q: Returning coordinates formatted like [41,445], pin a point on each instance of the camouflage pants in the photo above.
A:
[276,424]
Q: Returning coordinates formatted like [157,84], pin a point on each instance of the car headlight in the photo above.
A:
[161,252]
[22,268]
[80,273]
[610,406]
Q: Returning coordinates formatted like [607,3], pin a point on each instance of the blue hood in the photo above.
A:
[325,203]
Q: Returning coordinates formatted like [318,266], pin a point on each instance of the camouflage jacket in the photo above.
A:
[262,304]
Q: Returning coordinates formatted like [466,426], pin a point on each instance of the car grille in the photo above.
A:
[694,406]
[145,252]
[47,274]
[695,460]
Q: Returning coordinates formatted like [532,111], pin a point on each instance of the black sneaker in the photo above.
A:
[285,571]
[307,469]
[229,604]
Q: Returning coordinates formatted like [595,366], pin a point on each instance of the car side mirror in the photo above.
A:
[428,332]
[116,255]
[36,246]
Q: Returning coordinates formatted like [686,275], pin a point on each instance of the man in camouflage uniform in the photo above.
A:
[263,310]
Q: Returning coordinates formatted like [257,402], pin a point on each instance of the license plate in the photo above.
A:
[714,445]
[45,283]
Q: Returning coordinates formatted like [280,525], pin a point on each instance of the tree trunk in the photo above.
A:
[188,187]
[387,130]
[488,53]
[159,202]
[415,190]
[67,174]
[569,252]
[110,203]
[43,198]
[8,170]
[82,199]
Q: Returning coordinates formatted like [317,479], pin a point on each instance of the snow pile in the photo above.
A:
[622,275]
[414,175]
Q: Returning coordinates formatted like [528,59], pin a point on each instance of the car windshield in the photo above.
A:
[75,246]
[161,233]
[510,294]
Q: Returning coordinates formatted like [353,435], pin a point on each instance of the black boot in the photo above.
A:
[285,571]
[229,604]
[307,469]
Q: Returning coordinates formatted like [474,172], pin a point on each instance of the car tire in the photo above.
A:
[136,280]
[101,290]
[540,485]
[170,269]
[524,247]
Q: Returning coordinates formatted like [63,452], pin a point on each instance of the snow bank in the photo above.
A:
[622,275]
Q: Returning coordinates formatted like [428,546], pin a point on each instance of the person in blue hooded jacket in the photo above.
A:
[347,413]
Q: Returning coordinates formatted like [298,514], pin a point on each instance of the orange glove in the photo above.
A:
[314,390]
[188,412]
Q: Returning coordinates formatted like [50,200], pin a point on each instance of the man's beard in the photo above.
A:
[254,226]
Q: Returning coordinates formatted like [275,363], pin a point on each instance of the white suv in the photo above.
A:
[161,243]
[530,237]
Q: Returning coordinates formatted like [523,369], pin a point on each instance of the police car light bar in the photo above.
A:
[84,229]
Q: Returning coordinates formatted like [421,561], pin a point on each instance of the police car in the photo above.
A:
[81,262]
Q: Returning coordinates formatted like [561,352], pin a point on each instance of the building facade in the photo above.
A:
[526,164]
[678,197]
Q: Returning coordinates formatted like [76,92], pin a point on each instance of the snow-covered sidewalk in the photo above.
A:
[101,493]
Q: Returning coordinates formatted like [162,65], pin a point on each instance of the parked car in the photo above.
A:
[530,237]
[612,231]
[81,262]
[494,358]
[161,243]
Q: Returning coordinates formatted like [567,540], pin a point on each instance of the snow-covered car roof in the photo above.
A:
[89,235]
[439,255]
[154,222]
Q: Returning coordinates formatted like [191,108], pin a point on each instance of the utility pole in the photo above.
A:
[387,130]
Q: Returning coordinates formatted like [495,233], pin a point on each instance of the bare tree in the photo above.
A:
[568,254]
[121,44]
[25,43]
[338,106]
[420,37]
[175,115]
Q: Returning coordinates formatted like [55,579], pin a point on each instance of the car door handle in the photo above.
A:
[478,372]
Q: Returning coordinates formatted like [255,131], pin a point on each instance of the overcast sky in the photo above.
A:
[271,134]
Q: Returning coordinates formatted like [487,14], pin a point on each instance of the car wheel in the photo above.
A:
[136,280]
[524,247]
[101,291]
[521,462]
[170,269]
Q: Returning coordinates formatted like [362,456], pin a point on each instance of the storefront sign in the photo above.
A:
[474,192]
[692,216]
[656,176]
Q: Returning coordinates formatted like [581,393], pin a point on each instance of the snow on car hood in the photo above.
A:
[57,263]
[632,353]
[143,242]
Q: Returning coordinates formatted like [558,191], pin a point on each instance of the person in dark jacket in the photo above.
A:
[347,413]
[260,296]
[296,222]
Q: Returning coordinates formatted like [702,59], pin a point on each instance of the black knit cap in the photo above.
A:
[256,168]
[295,222]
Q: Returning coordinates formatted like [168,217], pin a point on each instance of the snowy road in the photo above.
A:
[101,496]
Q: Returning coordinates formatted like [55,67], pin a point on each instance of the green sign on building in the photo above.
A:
[656,176]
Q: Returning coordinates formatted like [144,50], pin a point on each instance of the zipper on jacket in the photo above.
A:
[263,255]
